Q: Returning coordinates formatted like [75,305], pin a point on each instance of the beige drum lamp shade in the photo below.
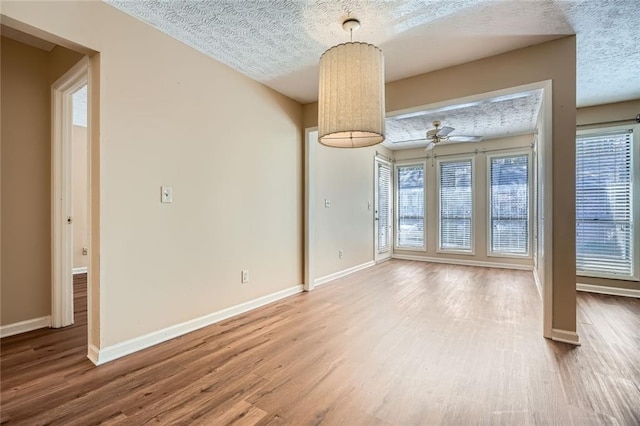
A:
[351,107]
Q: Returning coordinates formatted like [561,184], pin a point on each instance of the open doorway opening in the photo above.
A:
[505,222]
[79,205]
[69,189]
[49,80]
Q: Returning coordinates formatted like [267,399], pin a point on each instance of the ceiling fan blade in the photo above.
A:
[410,140]
[464,138]
[445,131]
[431,133]
[430,146]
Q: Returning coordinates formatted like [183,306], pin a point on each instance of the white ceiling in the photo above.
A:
[279,42]
[490,118]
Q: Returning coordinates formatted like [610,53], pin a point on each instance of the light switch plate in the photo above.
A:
[166,194]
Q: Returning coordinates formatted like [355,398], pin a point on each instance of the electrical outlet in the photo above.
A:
[166,194]
[339,254]
[85,251]
[327,203]
[245,276]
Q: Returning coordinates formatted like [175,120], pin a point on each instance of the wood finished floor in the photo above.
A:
[400,343]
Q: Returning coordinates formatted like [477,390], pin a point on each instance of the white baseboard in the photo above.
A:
[110,353]
[613,291]
[80,270]
[343,273]
[565,336]
[92,354]
[536,278]
[464,262]
[24,326]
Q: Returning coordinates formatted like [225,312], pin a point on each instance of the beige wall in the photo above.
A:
[230,147]
[480,196]
[27,73]
[346,178]
[26,228]
[621,111]
[609,114]
[79,173]
[554,60]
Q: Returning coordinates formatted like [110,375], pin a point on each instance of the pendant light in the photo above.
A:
[351,108]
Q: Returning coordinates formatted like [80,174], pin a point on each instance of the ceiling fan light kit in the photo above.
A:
[351,102]
[441,134]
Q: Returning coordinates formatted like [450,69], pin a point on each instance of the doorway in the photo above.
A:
[68,115]
[383,217]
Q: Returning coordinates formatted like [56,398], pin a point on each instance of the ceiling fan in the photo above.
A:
[441,134]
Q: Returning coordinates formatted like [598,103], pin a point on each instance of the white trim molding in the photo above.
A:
[80,270]
[536,278]
[565,336]
[343,273]
[62,91]
[464,262]
[612,291]
[93,354]
[25,326]
[110,353]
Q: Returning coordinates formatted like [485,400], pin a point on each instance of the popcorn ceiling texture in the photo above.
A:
[490,118]
[279,42]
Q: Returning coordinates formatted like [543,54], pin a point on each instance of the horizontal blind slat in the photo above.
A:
[410,214]
[456,205]
[509,204]
[604,225]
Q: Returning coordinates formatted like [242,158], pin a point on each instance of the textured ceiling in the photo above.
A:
[279,42]
[490,118]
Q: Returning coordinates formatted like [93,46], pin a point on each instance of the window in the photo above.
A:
[509,205]
[604,200]
[410,206]
[383,207]
[456,205]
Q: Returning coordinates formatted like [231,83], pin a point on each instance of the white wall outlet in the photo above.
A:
[245,276]
[369,205]
[327,203]
[166,194]
[340,254]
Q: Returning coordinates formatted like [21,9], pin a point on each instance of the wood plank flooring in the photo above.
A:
[401,343]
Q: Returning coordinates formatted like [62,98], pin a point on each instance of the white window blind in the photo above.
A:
[410,210]
[604,221]
[383,207]
[509,205]
[456,205]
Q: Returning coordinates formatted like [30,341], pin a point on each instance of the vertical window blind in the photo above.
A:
[509,205]
[383,207]
[604,221]
[410,209]
[456,205]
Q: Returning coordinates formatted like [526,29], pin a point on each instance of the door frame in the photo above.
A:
[376,253]
[62,91]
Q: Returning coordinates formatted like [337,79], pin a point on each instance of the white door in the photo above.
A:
[383,212]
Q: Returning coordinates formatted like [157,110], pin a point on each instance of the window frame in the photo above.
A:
[396,195]
[635,199]
[472,250]
[529,254]
[376,254]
